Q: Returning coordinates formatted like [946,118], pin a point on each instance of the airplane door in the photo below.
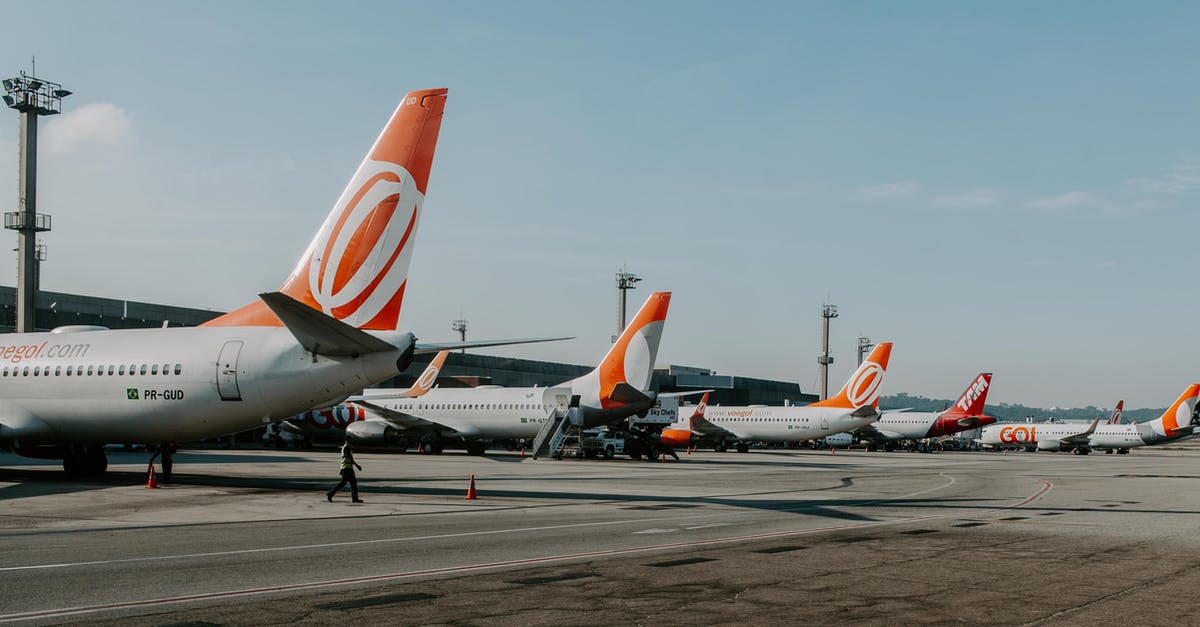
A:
[824,423]
[227,363]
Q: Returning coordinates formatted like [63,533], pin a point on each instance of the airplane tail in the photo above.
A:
[1116,415]
[356,267]
[972,400]
[629,365]
[1177,420]
[862,389]
[425,382]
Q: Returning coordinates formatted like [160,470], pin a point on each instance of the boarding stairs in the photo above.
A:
[562,426]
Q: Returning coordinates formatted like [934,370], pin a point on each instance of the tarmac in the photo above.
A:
[246,537]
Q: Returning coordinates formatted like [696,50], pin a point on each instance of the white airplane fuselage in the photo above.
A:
[1044,434]
[484,413]
[117,390]
[782,424]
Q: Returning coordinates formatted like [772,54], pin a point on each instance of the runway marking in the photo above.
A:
[73,611]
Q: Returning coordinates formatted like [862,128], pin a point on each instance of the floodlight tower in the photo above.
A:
[32,97]
[828,312]
[460,327]
[864,347]
[626,281]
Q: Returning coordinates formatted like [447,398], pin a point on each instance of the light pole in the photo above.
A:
[626,281]
[32,97]
[828,312]
[460,327]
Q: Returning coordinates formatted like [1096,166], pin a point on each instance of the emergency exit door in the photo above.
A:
[227,369]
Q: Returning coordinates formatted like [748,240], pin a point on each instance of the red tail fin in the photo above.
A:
[1116,416]
[972,400]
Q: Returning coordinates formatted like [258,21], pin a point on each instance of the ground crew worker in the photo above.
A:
[348,466]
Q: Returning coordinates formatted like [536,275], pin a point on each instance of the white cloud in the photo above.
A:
[1180,177]
[93,123]
[1069,200]
[890,190]
[969,199]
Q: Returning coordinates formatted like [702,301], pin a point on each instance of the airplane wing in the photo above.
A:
[408,423]
[701,426]
[1082,437]
[873,432]
[439,346]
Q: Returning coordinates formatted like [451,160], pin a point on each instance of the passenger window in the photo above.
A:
[6,371]
[111,370]
[57,371]
[69,368]
[142,370]
[25,372]
[178,368]
[166,369]
[36,369]
[90,369]
[154,369]
[99,371]
[122,370]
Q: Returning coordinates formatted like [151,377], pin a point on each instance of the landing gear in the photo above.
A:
[433,447]
[743,447]
[1122,451]
[87,460]
[476,448]
[721,447]
[1082,451]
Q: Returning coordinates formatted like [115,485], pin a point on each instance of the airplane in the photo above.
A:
[853,407]
[330,330]
[967,413]
[1179,421]
[329,424]
[617,388]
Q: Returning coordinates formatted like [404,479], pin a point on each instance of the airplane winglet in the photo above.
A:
[319,333]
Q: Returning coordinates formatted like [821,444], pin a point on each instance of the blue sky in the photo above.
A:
[992,186]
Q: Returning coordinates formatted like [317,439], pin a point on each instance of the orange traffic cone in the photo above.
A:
[522,452]
[153,482]
[832,451]
[471,496]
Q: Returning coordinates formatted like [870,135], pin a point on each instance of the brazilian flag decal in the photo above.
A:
[131,393]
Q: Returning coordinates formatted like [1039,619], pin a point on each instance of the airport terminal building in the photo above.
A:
[55,309]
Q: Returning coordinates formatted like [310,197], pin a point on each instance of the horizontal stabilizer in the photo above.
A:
[625,393]
[866,411]
[321,334]
[452,346]
[682,394]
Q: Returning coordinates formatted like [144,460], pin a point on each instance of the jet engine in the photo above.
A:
[373,433]
[1049,445]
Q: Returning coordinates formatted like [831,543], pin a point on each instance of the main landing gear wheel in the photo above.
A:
[87,461]
[742,447]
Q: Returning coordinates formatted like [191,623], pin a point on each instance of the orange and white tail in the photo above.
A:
[863,387]
[631,359]
[1116,415]
[1179,414]
[356,268]
[972,400]
[425,382]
